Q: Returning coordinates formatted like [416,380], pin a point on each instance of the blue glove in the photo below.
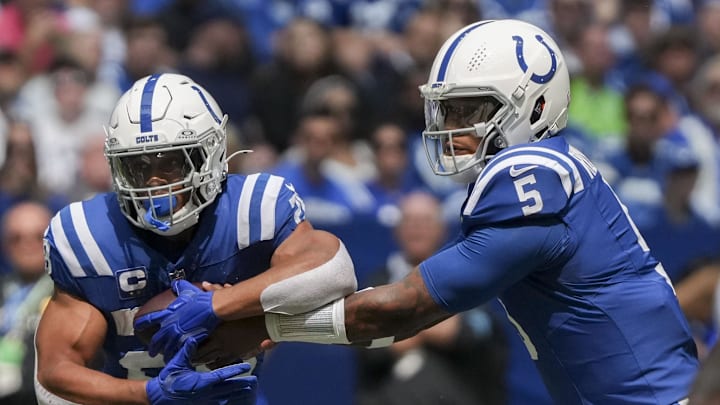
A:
[190,316]
[179,383]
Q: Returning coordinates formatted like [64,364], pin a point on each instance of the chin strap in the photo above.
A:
[161,207]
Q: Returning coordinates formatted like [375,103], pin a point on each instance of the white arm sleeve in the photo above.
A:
[304,292]
[325,325]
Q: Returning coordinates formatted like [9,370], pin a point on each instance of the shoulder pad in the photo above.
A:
[523,182]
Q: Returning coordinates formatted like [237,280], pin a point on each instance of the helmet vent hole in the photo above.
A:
[477,59]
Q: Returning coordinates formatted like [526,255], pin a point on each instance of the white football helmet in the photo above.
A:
[502,81]
[166,144]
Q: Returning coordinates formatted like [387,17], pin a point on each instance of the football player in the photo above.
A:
[541,230]
[175,214]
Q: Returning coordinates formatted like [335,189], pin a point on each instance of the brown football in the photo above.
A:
[156,303]
[224,346]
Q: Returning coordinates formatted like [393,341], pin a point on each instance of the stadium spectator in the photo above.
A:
[23,294]
[702,130]
[218,56]
[633,167]
[147,51]
[19,178]
[64,110]
[597,107]
[303,54]
[677,234]
[337,96]
[93,172]
[12,78]
[673,57]
[331,198]
[33,29]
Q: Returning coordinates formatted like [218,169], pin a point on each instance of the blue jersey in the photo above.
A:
[93,252]
[543,231]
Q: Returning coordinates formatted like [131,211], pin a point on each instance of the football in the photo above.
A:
[229,342]
[156,303]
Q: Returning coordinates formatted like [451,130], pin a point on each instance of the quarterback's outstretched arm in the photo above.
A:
[456,279]
[373,317]
[395,311]
[399,310]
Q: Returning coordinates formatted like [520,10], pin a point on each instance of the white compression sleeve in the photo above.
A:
[325,325]
[309,290]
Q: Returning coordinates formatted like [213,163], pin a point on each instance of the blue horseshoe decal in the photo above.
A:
[540,79]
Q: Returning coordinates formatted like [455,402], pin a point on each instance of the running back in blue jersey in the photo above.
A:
[94,253]
[596,311]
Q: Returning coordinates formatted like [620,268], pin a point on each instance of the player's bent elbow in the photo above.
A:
[47,384]
[333,279]
[341,273]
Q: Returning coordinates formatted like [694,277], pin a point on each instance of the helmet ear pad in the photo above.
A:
[161,114]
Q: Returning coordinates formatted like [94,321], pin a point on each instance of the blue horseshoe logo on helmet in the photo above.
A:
[540,79]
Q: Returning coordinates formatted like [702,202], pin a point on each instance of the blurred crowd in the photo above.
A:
[325,92]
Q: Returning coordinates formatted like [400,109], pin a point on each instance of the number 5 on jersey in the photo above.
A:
[528,194]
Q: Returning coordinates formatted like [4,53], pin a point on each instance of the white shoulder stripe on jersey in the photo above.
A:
[89,244]
[539,160]
[578,183]
[243,220]
[267,207]
[63,246]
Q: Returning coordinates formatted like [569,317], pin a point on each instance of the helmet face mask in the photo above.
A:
[171,166]
[503,82]
[166,148]
[477,113]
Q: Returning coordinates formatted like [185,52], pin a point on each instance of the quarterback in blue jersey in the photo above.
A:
[541,230]
[175,214]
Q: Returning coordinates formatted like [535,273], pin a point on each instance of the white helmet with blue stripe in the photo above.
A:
[166,145]
[503,81]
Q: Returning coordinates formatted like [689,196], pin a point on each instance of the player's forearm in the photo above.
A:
[297,282]
[376,316]
[400,310]
[82,385]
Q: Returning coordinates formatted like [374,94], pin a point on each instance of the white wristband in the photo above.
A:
[323,325]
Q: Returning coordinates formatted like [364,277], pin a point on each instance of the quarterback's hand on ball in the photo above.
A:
[190,316]
[179,383]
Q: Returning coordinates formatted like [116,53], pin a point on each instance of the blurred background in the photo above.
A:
[325,93]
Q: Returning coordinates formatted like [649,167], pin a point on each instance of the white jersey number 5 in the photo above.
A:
[531,195]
